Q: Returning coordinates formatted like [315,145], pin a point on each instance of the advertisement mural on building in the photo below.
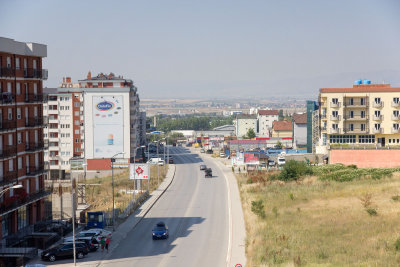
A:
[238,160]
[251,158]
[107,126]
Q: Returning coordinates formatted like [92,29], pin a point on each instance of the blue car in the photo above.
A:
[160,231]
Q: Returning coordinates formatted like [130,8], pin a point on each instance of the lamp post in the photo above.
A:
[112,178]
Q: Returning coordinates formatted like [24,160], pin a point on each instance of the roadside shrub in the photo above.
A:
[257,207]
[293,170]
[275,211]
[396,198]
[372,212]
[397,244]
[291,196]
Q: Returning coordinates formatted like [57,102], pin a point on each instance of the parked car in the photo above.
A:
[161,162]
[221,154]
[271,162]
[89,234]
[65,251]
[208,173]
[202,150]
[203,167]
[92,244]
[171,160]
[281,161]
[160,231]
[209,151]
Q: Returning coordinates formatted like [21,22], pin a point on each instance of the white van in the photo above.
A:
[281,161]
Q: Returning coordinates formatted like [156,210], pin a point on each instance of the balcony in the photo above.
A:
[395,118]
[377,131]
[322,128]
[377,105]
[377,118]
[355,104]
[334,131]
[21,200]
[7,72]
[31,73]
[395,130]
[8,151]
[34,122]
[335,105]
[33,170]
[323,116]
[335,118]
[32,98]
[34,146]
[8,178]
[7,98]
[395,104]
[356,118]
[8,125]
[356,130]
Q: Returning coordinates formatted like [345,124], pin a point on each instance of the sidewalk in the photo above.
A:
[236,252]
[95,258]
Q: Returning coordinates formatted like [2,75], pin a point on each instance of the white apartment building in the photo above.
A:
[243,123]
[265,119]
[97,118]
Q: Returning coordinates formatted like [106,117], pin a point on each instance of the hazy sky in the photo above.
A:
[205,48]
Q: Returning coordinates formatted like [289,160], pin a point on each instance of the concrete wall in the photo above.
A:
[300,134]
[366,158]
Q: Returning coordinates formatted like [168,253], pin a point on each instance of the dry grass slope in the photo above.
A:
[312,222]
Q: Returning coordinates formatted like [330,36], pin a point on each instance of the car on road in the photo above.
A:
[202,150]
[160,231]
[209,151]
[221,154]
[65,251]
[208,173]
[203,167]
[171,160]
[281,161]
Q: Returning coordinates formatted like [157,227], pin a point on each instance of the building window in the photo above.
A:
[335,100]
[19,138]
[76,104]
[324,139]
[19,163]
[377,126]
[17,63]
[396,113]
[351,127]
[362,114]
[335,126]
[342,139]
[395,100]
[362,127]
[10,116]
[377,100]
[18,113]
[395,126]
[377,113]
[18,88]
[366,139]
[66,107]
[11,165]
[61,98]
[76,140]
[351,113]
[76,122]
[362,101]
[76,131]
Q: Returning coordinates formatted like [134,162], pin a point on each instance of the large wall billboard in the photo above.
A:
[107,126]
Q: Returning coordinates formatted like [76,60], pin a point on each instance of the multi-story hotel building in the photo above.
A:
[94,119]
[365,115]
[21,136]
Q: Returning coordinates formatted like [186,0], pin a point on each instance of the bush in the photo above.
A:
[372,212]
[396,198]
[397,244]
[293,170]
[258,208]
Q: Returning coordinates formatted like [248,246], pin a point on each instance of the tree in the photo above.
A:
[251,134]
[280,115]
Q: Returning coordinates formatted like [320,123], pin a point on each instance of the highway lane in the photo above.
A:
[196,211]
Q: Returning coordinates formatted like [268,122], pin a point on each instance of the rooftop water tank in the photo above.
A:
[366,82]
[357,82]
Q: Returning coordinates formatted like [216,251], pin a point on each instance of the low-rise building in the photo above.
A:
[265,118]
[282,129]
[244,122]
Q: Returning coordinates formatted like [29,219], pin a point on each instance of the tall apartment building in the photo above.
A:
[95,119]
[365,115]
[63,134]
[21,136]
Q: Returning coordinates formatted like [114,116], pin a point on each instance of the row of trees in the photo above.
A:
[192,123]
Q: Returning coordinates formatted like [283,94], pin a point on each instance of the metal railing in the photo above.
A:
[35,73]
[8,151]
[30,98]
[7,72]
[34,146]
[9,177]
[34,121]
[8,125]
[33,170]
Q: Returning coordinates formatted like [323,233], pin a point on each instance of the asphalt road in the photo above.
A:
[196,212]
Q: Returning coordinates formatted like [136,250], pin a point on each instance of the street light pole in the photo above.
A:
[8,188]
[112,178]
[158,166]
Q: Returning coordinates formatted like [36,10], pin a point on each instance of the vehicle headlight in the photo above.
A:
[47,254]
[154,234]
[164,233]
